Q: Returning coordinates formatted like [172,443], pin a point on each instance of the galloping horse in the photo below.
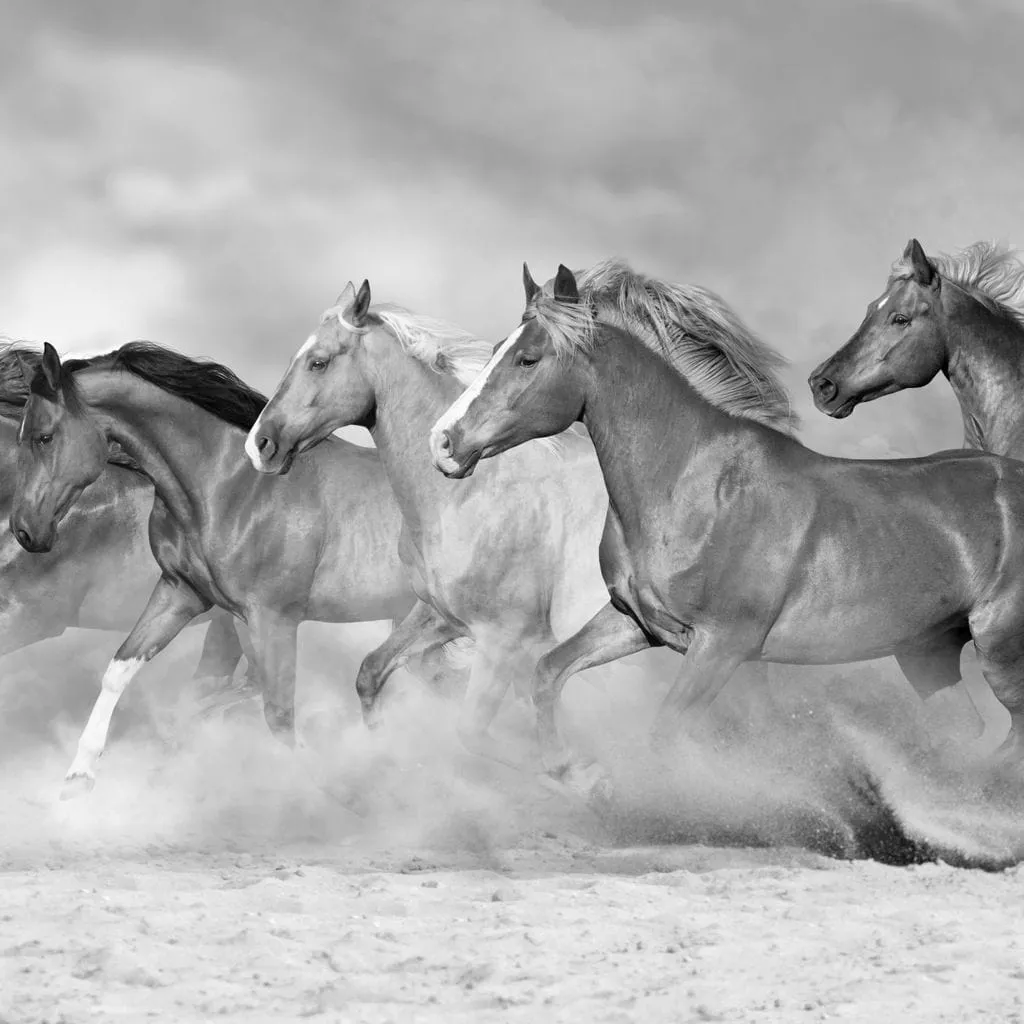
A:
[727,540]
[321,547]
[962,315]
[508,559]
[102,571]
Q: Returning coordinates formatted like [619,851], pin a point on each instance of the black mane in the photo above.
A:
[202,382]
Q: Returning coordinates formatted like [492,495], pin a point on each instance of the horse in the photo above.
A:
[102,570]
[507,560]
[962,315]
[727,540]
[321,547]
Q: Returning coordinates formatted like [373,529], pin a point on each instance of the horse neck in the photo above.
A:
[985,367]
[409,398]
[177,445]
[647,423]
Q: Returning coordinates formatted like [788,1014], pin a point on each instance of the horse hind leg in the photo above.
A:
[934,673]
[1003,668]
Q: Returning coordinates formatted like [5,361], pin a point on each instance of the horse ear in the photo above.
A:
[51,368]
[924,269]
[347,296]
[361,306]
[529,285]
[565,285]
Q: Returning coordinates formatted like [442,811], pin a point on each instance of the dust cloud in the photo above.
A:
[838,762]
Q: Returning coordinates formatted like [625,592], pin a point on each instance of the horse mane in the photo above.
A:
[990,271]
[695,330]
[445,348]
[209,385]
[18,361]
[439,345]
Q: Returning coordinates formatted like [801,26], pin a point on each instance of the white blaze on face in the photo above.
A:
[882,302]
[305,347]
[250,441]
[459,407]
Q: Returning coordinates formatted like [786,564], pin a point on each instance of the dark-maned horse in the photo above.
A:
[961,315]
[322,546]
[102,570]
[727,540]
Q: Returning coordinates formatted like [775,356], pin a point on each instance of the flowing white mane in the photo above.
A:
[437,344]
[696,331]
[991,271]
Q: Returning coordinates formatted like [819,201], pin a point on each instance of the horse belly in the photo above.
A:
[360,583]
[816,631]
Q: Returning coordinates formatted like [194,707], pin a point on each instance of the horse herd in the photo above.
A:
[620,473]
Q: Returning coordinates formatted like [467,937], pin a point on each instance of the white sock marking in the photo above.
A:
[93,740]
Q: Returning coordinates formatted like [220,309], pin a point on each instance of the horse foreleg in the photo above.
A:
[274,638]
[421,630]
[222,650]
[608,636]
[494,669]
[171,606]
[707,667]
[221,653]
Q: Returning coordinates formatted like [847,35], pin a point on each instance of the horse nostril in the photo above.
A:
[444,442]
[24,539]
[825,388]
[265,446]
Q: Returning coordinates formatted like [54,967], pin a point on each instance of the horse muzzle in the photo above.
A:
[35,541]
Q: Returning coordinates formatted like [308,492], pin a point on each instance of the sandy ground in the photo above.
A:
[213,875]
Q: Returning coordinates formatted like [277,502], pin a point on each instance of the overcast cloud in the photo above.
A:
[209,175]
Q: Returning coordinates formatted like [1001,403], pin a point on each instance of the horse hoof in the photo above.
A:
[589,782]
[77,785]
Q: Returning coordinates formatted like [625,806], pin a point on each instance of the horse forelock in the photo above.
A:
[18,362]
[691,327]
[992,272]
[338,313]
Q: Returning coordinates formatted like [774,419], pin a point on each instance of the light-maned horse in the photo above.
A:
[508,559]
[321,546]
[728,540]
[102,570]
[959,315]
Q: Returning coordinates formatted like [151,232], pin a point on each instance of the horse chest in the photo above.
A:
[180,554]
[654,598]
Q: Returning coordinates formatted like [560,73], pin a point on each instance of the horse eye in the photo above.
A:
[45,439]
[528,361]
[899,318]
[318,365]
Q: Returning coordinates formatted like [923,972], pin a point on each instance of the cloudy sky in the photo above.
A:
[209,175]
